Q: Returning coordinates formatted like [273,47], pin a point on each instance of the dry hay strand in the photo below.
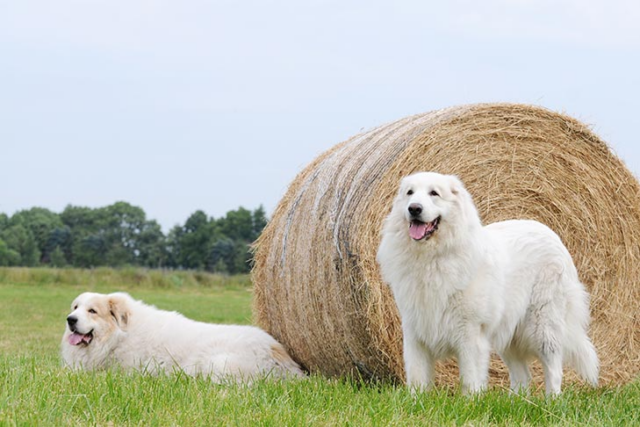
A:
[317,285]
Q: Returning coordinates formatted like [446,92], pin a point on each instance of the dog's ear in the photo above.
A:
[119,308]
[455,185]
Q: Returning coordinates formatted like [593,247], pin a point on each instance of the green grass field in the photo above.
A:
[36,390]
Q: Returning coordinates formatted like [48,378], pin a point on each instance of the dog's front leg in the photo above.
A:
[473,358]
[418,363]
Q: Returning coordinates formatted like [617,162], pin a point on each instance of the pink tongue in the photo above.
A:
[417,230]
[75,338]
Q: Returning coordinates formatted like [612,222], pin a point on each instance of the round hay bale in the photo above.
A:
[317,285]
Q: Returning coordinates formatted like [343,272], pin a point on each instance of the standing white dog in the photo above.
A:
[463,288]
[116,330]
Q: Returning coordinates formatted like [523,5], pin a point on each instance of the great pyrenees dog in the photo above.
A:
[464,289]
[115,330]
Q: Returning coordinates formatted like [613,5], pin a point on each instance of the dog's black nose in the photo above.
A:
[71,320]
[415,209]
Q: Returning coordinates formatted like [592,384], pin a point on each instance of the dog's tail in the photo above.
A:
[585,361]
[580,353]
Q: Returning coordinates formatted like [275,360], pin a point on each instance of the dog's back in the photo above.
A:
[539,266]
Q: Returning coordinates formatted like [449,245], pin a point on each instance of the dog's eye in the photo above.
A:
[75,307]
[410,192]
[92,311]
[434,193]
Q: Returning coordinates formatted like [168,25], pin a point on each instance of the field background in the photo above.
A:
[36,390]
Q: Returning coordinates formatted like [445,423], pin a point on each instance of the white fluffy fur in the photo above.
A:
[510,286]
[131,334]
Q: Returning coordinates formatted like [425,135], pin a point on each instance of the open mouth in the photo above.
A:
[419,230]
[77,338]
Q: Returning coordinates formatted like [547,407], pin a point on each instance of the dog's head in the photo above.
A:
[95,317]
[428,201]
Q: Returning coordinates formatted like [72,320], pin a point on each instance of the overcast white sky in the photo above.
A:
[175,106]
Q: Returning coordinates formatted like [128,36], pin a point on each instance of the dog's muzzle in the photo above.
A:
[77,338]
[419,230]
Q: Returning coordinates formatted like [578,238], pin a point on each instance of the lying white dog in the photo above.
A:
[116,330]
[463,289]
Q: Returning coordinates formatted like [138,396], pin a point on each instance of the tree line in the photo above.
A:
[121,235]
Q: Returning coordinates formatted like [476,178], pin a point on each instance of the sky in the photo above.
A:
[176,106]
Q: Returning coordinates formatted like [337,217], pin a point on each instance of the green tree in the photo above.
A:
[40,222]
[120,234]
[57,258]
[114,235]
[237,230]
[82,223]
[121,226]
[91,251]
[151,246]
[196,238]
[259,221]
[173,248]
[8,257]
[20,239]
[80,219]
[60,239]
[242,261]
[222,256]
[4,221]
[238,225]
